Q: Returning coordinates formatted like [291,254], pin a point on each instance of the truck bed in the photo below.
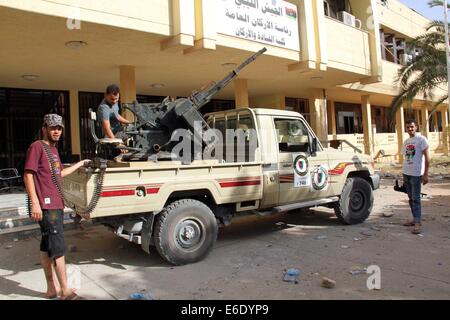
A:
[144,186]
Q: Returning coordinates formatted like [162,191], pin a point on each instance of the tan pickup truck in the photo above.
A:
[178,207]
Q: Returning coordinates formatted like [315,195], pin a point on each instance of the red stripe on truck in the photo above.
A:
[117,193]
[239,183]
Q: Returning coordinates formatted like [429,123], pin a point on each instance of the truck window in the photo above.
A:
[292,134]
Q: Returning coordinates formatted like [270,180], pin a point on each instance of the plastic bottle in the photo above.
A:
[141,296]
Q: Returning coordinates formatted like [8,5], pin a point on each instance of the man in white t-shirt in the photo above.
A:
[416,155]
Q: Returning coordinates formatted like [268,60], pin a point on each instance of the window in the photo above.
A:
[21,112]
[380,120]
[292,132]
[298,105]
[349,118]
[332,7]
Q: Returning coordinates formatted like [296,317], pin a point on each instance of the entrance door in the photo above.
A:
[301,175]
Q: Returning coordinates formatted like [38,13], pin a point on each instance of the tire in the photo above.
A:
[356,201]
[185,231]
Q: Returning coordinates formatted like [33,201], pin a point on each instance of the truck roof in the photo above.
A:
[259,111]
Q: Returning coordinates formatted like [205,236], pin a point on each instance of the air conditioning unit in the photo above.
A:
[347,18]
[405,59]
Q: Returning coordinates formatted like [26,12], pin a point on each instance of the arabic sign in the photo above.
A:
[268,21]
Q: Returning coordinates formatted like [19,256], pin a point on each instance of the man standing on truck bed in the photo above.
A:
[415,171]
[108,113]
[43,169]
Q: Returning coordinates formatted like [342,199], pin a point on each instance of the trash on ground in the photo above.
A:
[268,246]
[375,228]
[366,233]
[72,248]
[388,214]
[320,237]
[291,275]
[9,247]
[15,239]
[280,224]
[357,239]
[357,270]
[142,296]
[328,283]
[345,247]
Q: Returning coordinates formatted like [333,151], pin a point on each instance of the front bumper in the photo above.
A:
[375,178]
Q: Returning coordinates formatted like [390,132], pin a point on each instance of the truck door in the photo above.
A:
[302,176]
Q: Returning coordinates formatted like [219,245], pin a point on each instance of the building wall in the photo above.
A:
[172,47]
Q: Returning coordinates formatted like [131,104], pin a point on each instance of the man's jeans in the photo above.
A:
[413,188]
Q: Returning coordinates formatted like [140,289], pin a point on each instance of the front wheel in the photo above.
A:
[356,201]
[185,231]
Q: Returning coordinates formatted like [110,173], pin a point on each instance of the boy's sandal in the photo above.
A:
[416,229]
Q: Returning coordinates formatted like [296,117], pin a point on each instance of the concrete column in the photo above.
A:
[367,124]
[274,101]
[74,122]
[318,113]
[445,132]
[425,127]
[400,128]
[127,87]
[241,93]
[333,118]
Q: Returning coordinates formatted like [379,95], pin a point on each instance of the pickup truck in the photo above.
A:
[178,207]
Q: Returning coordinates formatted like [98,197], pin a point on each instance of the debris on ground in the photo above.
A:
[320,237]
[357,270]
[375,228]
[345,247]
[72,248]
[357,239]
[366,233]
[268,246]
[291,275]
[328,283]
[388,214]
[9,247]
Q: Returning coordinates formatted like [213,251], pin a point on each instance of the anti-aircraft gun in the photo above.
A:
[154,123]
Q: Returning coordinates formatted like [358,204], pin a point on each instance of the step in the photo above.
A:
[26,231]
[21,220]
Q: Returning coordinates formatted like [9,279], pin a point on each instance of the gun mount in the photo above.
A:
[154,123]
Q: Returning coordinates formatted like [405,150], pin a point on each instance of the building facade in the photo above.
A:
[334,61]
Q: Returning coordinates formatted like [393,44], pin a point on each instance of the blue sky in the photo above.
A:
[421,6]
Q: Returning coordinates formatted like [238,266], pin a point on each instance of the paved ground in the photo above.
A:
[251,254]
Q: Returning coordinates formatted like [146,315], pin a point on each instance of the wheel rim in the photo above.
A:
[189,233]
[357,201]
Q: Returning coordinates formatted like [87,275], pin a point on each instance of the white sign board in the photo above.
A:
[273,22]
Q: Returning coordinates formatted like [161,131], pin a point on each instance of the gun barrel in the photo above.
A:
[201,98]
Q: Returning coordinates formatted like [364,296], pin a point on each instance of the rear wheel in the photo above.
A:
[185,231]
[356,201]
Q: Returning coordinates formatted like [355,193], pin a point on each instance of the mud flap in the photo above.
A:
[146,233]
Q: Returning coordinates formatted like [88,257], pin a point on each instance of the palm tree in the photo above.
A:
[427,71]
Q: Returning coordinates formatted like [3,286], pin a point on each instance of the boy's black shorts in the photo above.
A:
[52,231]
